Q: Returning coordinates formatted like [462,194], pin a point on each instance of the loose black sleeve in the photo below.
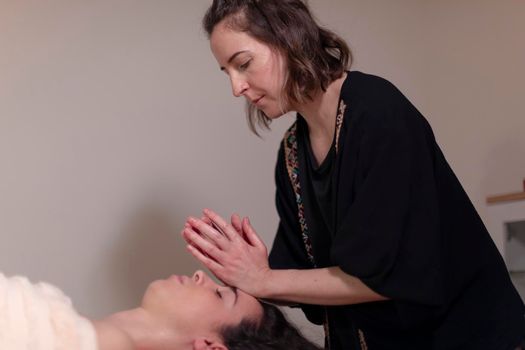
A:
[389,235]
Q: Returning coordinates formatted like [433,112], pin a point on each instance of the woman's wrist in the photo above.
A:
[272,283]
[265,284]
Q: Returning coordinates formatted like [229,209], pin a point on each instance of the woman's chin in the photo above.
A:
[274,114]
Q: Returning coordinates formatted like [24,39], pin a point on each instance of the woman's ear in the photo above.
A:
[208,344]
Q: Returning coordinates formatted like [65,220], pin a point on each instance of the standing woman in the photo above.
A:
[377,240]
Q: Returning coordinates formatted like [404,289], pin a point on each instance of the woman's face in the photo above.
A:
[196,305]
[255,70]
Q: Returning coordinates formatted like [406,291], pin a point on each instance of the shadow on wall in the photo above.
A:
[150,248]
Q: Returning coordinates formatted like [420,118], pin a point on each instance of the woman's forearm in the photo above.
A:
[324,286]
[243,262]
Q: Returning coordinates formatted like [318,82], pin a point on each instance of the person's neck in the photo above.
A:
[141,329]
[320,114]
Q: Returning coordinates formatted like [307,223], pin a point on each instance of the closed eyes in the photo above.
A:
[233,290]
[245,65]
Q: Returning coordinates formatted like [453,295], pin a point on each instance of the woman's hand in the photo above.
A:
[233,252]
[239,258]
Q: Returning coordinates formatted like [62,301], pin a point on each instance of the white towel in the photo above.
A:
[40,317]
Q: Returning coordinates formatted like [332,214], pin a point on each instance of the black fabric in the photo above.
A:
[322,176]
[405,227]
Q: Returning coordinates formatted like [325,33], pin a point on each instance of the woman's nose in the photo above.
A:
[198,277]
[239,86]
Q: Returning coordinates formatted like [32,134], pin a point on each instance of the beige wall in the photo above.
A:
[115,124]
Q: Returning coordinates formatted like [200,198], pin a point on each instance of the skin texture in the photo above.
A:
[238,257]
[178,312]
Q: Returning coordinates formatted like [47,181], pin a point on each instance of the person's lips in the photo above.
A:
[257,100]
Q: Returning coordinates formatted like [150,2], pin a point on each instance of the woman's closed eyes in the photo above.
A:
[245,65]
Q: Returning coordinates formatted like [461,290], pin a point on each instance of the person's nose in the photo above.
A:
[201,279]
[198,277]
[239,85]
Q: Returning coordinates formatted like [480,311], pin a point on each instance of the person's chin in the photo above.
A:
[156,286]
[273,114]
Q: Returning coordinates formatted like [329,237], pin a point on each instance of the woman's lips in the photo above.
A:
[256,102]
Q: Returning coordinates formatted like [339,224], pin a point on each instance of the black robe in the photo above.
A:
[401,223]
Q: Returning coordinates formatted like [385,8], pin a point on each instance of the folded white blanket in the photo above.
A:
[40,317]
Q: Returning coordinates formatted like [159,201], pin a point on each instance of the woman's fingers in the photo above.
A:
[202,244]
[206,219]
[236,222]
[207,229]
[211,264]
[251,236]
[228,230]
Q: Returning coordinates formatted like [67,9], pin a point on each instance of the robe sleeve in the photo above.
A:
[288,250]
[389,236]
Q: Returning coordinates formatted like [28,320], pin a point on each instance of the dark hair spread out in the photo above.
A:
[314,56]
[272,332]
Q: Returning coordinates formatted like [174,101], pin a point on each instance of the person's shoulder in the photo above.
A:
[377,103]
[112,338]
[371,89]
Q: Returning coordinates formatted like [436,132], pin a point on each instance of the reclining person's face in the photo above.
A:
[197,304]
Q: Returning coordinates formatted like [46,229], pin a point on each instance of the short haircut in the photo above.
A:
[314,56]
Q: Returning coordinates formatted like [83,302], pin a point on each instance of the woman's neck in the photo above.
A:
[320,114]
[138,328]
[321,111]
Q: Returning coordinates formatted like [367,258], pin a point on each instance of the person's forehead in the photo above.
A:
[249,305]
[225,37]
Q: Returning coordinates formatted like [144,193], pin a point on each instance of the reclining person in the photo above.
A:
[179,312]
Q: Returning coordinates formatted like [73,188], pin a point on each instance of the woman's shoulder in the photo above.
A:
[371,90]
[112,338]
[374,101]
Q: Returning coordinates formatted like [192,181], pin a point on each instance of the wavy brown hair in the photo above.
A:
[272,332]
[314,56]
